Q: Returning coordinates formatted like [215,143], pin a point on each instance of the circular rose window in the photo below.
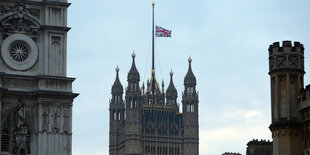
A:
[19,52]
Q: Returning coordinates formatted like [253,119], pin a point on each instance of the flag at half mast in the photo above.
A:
[161,32]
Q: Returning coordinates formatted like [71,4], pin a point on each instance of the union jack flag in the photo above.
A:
[161,32]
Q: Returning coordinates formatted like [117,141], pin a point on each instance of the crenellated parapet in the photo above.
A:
[286,57]
[262,142]
[259,147]
[231,153]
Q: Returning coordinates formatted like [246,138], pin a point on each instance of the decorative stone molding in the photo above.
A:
[286,132]
[56,85]
[287,56]
[56,119]
[36,83]
[20,84]
[8,9]
[19,52]
[19,18]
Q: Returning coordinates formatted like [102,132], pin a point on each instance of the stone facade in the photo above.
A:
[256,147]
[147,120]
[35,95]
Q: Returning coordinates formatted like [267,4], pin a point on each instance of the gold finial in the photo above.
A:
[189,59]
[153,4]
[117,68]
[133,54]
[171,73]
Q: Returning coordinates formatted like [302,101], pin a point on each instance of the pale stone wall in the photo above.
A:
[33,68]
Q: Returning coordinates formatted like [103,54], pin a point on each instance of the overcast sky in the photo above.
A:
[228,41]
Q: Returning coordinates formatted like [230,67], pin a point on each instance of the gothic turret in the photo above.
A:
[117,88]
[133,91]
[190,112]
[133,73]
[171,93]
[133,110]
[116,114]
[190,78]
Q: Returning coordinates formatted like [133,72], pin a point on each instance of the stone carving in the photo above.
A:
[293,61]
[45,116]
[55,117]
[7,9]
[66,120]
[18,83]
[286,61]
[20,145]
[55,84]
[19,18]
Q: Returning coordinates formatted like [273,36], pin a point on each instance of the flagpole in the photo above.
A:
[153,67]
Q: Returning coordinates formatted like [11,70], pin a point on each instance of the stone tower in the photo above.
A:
[116,115]
[286,70]
[35,95]
[148,121]
[190,113]
[133,125]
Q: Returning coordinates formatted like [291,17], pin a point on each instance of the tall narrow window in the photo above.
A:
[192,108]
[114,115]
[125,112]
[188,108]
[115,99]
[130,104]
[119,116]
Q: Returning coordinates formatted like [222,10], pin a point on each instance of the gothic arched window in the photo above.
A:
[192,107]
[188,108]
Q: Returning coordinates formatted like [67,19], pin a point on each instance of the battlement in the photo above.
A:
[304,97]
[231,153]
[287,46]
[262,142]
[286,57]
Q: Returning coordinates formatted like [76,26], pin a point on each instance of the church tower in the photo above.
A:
[36,95]
[133,125]
[190,113]
[286,70]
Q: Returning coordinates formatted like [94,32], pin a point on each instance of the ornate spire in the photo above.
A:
[117,86]
[133,73]
[171,90]
[190,77]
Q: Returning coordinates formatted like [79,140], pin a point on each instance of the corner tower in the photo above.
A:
[36,95]
[190,113]
[286,70]
[116,116]
[133,106]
